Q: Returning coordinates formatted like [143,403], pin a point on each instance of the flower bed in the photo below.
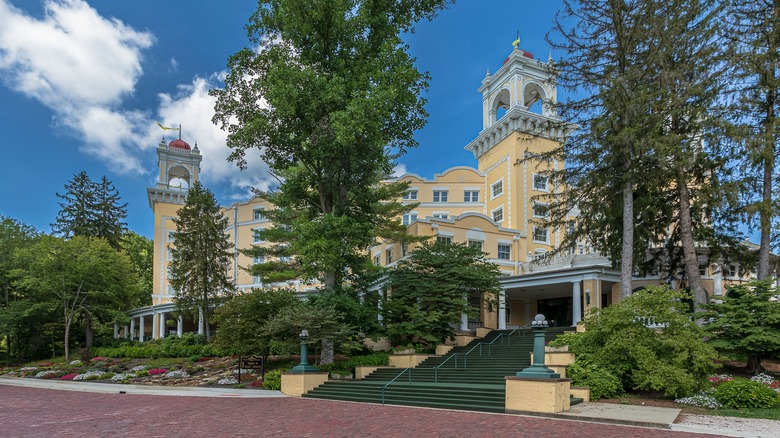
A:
[177,374]
[50,374]
[69,376]
[156,371]
[227,381]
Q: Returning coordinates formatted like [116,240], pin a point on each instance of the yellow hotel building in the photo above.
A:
[491,206]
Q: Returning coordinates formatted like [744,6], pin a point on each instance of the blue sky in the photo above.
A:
[83,83]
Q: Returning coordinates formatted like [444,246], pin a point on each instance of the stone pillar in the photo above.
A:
[141,328]
[179,326]
[502,310]
[116,331]
[464,317]
[200,322]
[132,328]
[576,304]
[162,325]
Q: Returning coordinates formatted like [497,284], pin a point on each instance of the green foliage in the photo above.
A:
[243,317]
[272,380]
[648,341]
[92,210]
[376,359]
[743,393]
[189,345]
[201,255]
[323,323]
[343,101]
[140,250]
[428,291]
[79,276]
[602,383]
[747,322]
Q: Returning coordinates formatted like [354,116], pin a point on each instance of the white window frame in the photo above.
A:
[471,198]
[447,240]
[443,196]
[169,236]
[441,215]
[546,183]
[539,204]
[493,194]
[410,195]
[508,251]
[546,234]
[409,218]
[476,244]
[255,238]
[258,260]
[493,214]
[389,255]
[260,216]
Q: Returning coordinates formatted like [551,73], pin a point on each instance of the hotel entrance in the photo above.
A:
[557,310]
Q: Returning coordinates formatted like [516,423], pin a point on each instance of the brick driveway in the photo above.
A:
[30,412]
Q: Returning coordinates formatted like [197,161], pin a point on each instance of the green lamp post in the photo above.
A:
[537,370]
[304,366]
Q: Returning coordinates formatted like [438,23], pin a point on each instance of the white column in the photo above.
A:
[718,281]
[379,316]
[141,328]
[155,325]
[464,317]
[162,325]
[116,331]
[179,326]
[502,310]
[200,322]
[127,331]
[576,302]
[132,328]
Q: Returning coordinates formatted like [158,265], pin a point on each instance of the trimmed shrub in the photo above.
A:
[602,383]
[273,380]
[743,393]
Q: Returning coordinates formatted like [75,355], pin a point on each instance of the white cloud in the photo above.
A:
[80,65]
[194,108]
[398,170]
[174,65]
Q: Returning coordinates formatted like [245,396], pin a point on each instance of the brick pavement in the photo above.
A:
[30,412]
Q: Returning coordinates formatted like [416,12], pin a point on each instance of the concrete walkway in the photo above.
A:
[632,415]
[117,388]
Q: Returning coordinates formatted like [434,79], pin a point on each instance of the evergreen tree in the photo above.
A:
[343,101]
[110,213]
[91,209]
[430,290]
[610,165]
[77,215]
[202,255]
[754,30]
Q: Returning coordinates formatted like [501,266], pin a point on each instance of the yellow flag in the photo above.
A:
[165,127]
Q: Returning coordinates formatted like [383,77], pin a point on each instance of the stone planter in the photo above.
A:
[405,351]
[563,349]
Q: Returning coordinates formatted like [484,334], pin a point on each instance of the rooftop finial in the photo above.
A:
[516,43]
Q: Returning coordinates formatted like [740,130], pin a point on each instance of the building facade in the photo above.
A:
[493,205]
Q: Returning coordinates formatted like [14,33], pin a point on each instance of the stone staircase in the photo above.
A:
[444,382]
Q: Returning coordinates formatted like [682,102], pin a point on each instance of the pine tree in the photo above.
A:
[609,159]
[109,213]
[202,255]
[754,32]
[77,215]
[92,210]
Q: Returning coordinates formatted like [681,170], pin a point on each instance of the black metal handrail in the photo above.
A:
[394,379]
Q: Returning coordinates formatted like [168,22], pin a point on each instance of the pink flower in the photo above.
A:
[69,376]
[155,371]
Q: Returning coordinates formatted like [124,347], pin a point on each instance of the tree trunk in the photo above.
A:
[754,364]
[89,332]
[689,247]
[206,324]
[765,212]
[627,250]
[326,355]
[67,338]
